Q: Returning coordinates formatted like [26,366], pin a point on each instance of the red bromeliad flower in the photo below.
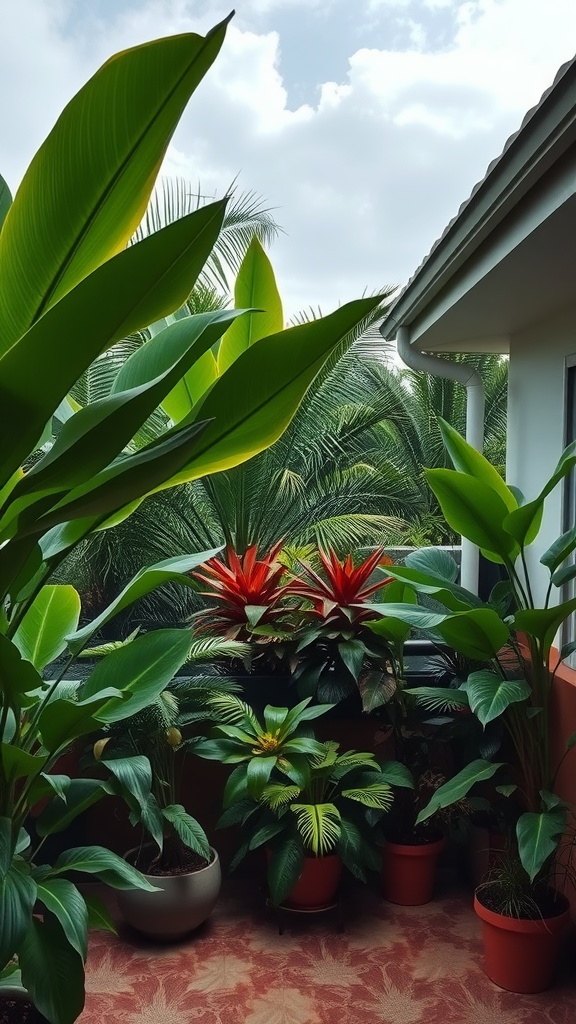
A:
[343,587]
[247,590]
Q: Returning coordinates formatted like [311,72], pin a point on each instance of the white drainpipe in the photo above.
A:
[472,381]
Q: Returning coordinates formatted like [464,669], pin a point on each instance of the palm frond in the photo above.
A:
[319,826]
[276,795]
[211,647]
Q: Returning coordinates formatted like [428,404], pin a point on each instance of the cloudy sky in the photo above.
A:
[364,123]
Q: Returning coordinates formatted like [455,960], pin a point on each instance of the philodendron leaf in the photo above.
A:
[467,459]
[457,788]
[538,836]
[490,695]
[472,508]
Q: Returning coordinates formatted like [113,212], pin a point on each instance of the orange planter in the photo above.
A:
[409,872]
[318,883]
[520,955]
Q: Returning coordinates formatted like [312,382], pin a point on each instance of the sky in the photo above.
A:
[364,124]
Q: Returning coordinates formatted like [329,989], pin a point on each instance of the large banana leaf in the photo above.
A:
[88,186]
[255,289]
[40,637]
[123,295]
[253,402]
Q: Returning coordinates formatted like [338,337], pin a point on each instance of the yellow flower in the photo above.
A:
[268,742]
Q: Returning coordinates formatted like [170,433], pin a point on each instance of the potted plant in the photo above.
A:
[311,828]
[513,635]
[178,861]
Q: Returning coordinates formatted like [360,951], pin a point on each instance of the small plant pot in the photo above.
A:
[318,883]
[409,871]
[182,903]
[520,955]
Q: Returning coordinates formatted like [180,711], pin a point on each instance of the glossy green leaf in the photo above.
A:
[544,623]
[253,402]
[284,869]
[538,836]
[52,971]
[5,200]
[170,570]
[88,186]
[459,786]
[258,774]
[490,695]
[472,508]
[98,916]
[123,295]
[133,777]
[564,575]
[435,562]
[5,845]
[191,388]
[61,720]
[255,289]
[478,634]
[141,670]
[40,637]
[449,594]
[396,774]
[559,551]
[59,813]
[107,866]
[62,899]
[17,898]
[18,763]
[189,831]
[524,523]
[468,460]
[17,676]
[353,654]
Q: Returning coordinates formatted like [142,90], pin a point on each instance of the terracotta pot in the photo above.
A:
[318,882]
[409,872]
[520,955]
[182,903]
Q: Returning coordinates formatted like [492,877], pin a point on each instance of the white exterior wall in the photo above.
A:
[537,422]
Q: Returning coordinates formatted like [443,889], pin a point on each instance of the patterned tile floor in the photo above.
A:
[390,965]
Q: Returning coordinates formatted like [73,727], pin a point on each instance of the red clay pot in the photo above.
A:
[520,955]
[318,883]
[408,872]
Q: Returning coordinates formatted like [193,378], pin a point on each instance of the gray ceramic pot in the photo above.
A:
[183,903]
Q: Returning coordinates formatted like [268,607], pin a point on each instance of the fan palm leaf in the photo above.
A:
[319,826]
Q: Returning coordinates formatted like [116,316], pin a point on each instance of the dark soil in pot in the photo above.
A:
[540,904]
[404,835]
[17,1011]
[180,861]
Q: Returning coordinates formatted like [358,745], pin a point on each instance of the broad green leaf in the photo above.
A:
[17,899]
[564,575]
[544,623]
[468,460]
[353,654]
[418,617]
[174,570]
[18,763]
[133,777]
[59,813]
[472,508]
[107,866]
[258,773]
[449,594]
[62,899]
[435,562]
[397,774]
[40,637]
[88,186]
[191,387]
[255,289]
[284,869]
[123,295]
[62,720]
[524,523]
[98,916]
[142,670]
[189,831]
[377,688]
[98,433]
[559,551]
[265,834]
[253,402]
[538,836]
[478,634]
[52,971]
[5,200]
[458,787]
[17,676]
[490,695]
[5,845]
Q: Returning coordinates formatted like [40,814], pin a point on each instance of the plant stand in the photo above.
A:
[286,910]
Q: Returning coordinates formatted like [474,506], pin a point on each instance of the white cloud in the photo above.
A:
[366,178]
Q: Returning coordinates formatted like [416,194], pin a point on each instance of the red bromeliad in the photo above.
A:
[336,596]
[248,591]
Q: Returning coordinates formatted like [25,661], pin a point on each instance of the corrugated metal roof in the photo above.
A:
[491,169]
